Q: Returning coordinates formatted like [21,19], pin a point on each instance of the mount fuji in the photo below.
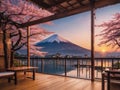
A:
[56,44]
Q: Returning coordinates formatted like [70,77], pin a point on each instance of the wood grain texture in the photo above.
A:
[49,82]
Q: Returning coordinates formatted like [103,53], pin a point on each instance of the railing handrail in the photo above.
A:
[68,58]
[78,66]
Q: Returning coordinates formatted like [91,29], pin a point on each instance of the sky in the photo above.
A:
[77,28]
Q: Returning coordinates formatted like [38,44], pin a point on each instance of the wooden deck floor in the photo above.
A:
[50,82]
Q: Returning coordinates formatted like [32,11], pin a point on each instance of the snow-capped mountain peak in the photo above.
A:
[54,38]
[56,44]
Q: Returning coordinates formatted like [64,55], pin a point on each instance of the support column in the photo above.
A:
[92,40]
[28,46]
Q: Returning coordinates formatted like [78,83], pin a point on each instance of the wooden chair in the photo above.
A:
[113,80]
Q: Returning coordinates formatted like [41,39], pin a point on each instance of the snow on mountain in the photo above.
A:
[54,38]
[56,44]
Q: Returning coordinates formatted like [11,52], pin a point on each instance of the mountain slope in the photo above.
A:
[56,44]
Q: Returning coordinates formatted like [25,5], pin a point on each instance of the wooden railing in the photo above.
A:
[73,67]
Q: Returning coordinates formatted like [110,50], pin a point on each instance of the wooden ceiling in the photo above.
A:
[61,6]
[64,8]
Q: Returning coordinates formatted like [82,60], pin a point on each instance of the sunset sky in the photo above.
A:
[76,28]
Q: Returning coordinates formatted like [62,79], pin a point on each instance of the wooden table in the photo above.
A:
[109,73]
[22,69]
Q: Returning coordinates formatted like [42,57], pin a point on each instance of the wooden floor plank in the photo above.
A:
[50,82]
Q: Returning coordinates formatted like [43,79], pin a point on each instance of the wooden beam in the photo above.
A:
[98,4]
[80,2]
[51,3]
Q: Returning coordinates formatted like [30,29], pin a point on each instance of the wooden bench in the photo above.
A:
[23,69]
[8,75]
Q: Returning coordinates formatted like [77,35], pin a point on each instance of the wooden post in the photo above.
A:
[78,68]
[108,80]
[102,67]
[42,65]
[112,64]
[92,40]
[65,66]
[103,77]
[28,46]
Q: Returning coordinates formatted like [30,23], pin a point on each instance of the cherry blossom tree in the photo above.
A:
[12,14]
[111,32]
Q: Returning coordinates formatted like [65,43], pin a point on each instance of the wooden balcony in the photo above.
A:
[49,82]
